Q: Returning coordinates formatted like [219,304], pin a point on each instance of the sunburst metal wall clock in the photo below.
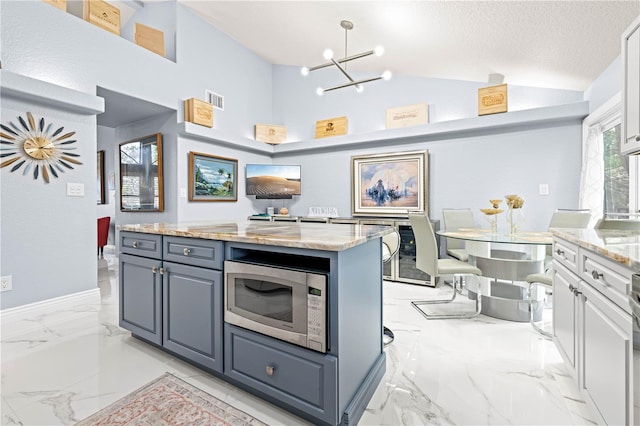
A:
[34,146]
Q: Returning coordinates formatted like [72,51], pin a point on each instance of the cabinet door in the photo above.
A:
[565,316]
[631,90]
[606,346]
[193,313]
[141,297]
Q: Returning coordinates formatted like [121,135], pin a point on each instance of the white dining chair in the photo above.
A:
[562,218]
[427,260]
[455,219]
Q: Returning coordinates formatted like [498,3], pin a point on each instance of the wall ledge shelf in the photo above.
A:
[195,131]
[18,86]
[453,129]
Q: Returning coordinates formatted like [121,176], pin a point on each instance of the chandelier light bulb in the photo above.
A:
[379,51]
[328,54]
[304,71]
[386,75]
[359,88]
[319,91]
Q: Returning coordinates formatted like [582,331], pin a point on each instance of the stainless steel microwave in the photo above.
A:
[286,304]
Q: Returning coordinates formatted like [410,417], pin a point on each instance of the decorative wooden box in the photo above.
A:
[149,38]
[271,133]
[409,115]
[60,4]
[198,112]
[331,127]
[102,14]
[492,100]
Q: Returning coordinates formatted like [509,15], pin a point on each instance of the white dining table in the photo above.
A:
[505,261]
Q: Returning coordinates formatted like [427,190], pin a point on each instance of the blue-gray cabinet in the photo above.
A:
[141,297]
[192,305]
[303,379]
[172,295]
[176,304]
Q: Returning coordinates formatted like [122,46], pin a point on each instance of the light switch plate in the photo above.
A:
[543,189]
[183,192]
[75,189]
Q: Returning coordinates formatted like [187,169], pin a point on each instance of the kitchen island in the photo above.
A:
[593,326]
[174,294]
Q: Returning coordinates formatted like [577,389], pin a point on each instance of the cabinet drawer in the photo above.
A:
[140,244]
[608,277]
[196,252]
[299,377]
[566,253]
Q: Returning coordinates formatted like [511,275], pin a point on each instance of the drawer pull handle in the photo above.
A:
[596,275]
[571,287]
[154,270]
[638,137]
[186,251]
[162,271]
[135,244]
[269,370]
[560,252]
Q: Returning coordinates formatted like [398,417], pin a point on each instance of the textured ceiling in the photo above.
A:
[554,44]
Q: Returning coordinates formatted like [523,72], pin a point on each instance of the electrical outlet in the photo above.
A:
[6,283]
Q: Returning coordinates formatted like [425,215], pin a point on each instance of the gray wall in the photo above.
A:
[48,239]
[447,100]
[463,172]
[606,86]
[466,172]
[68,52]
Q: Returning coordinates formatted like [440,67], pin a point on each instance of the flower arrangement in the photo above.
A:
[514,202]
[491,214]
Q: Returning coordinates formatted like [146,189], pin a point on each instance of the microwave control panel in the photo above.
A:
[317,312]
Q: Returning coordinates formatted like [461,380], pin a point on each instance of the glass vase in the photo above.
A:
[515,219]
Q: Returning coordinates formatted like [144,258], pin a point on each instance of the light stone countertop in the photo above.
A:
[620,246]
[314,236]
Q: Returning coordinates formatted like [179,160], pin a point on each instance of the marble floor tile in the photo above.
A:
[483,371]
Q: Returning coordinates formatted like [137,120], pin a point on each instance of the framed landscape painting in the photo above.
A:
[389,184]
[212,178]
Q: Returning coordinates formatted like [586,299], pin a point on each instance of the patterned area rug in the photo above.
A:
[169,401]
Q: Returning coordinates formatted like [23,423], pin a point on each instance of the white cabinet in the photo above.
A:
[631,89]
[605,341]
[592,329]
[565,319]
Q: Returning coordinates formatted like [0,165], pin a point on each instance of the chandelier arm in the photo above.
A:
[342,70]
[340,61]
[353,83]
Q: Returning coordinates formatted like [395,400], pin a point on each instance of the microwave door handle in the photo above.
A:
[263,291]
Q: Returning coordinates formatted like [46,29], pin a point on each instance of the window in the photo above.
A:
[616,171]
[610,181]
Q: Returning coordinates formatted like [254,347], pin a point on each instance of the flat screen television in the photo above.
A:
[273,181]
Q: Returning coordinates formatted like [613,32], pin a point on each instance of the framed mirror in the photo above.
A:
[100,185]
[141,182]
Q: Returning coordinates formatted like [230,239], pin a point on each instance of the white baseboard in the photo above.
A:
[30,310]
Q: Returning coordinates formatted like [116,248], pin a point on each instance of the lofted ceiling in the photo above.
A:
[552,44]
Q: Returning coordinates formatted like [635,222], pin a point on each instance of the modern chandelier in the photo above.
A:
[328,55]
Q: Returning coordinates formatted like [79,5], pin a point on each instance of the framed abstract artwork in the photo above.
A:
[212,178]
[389,184]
